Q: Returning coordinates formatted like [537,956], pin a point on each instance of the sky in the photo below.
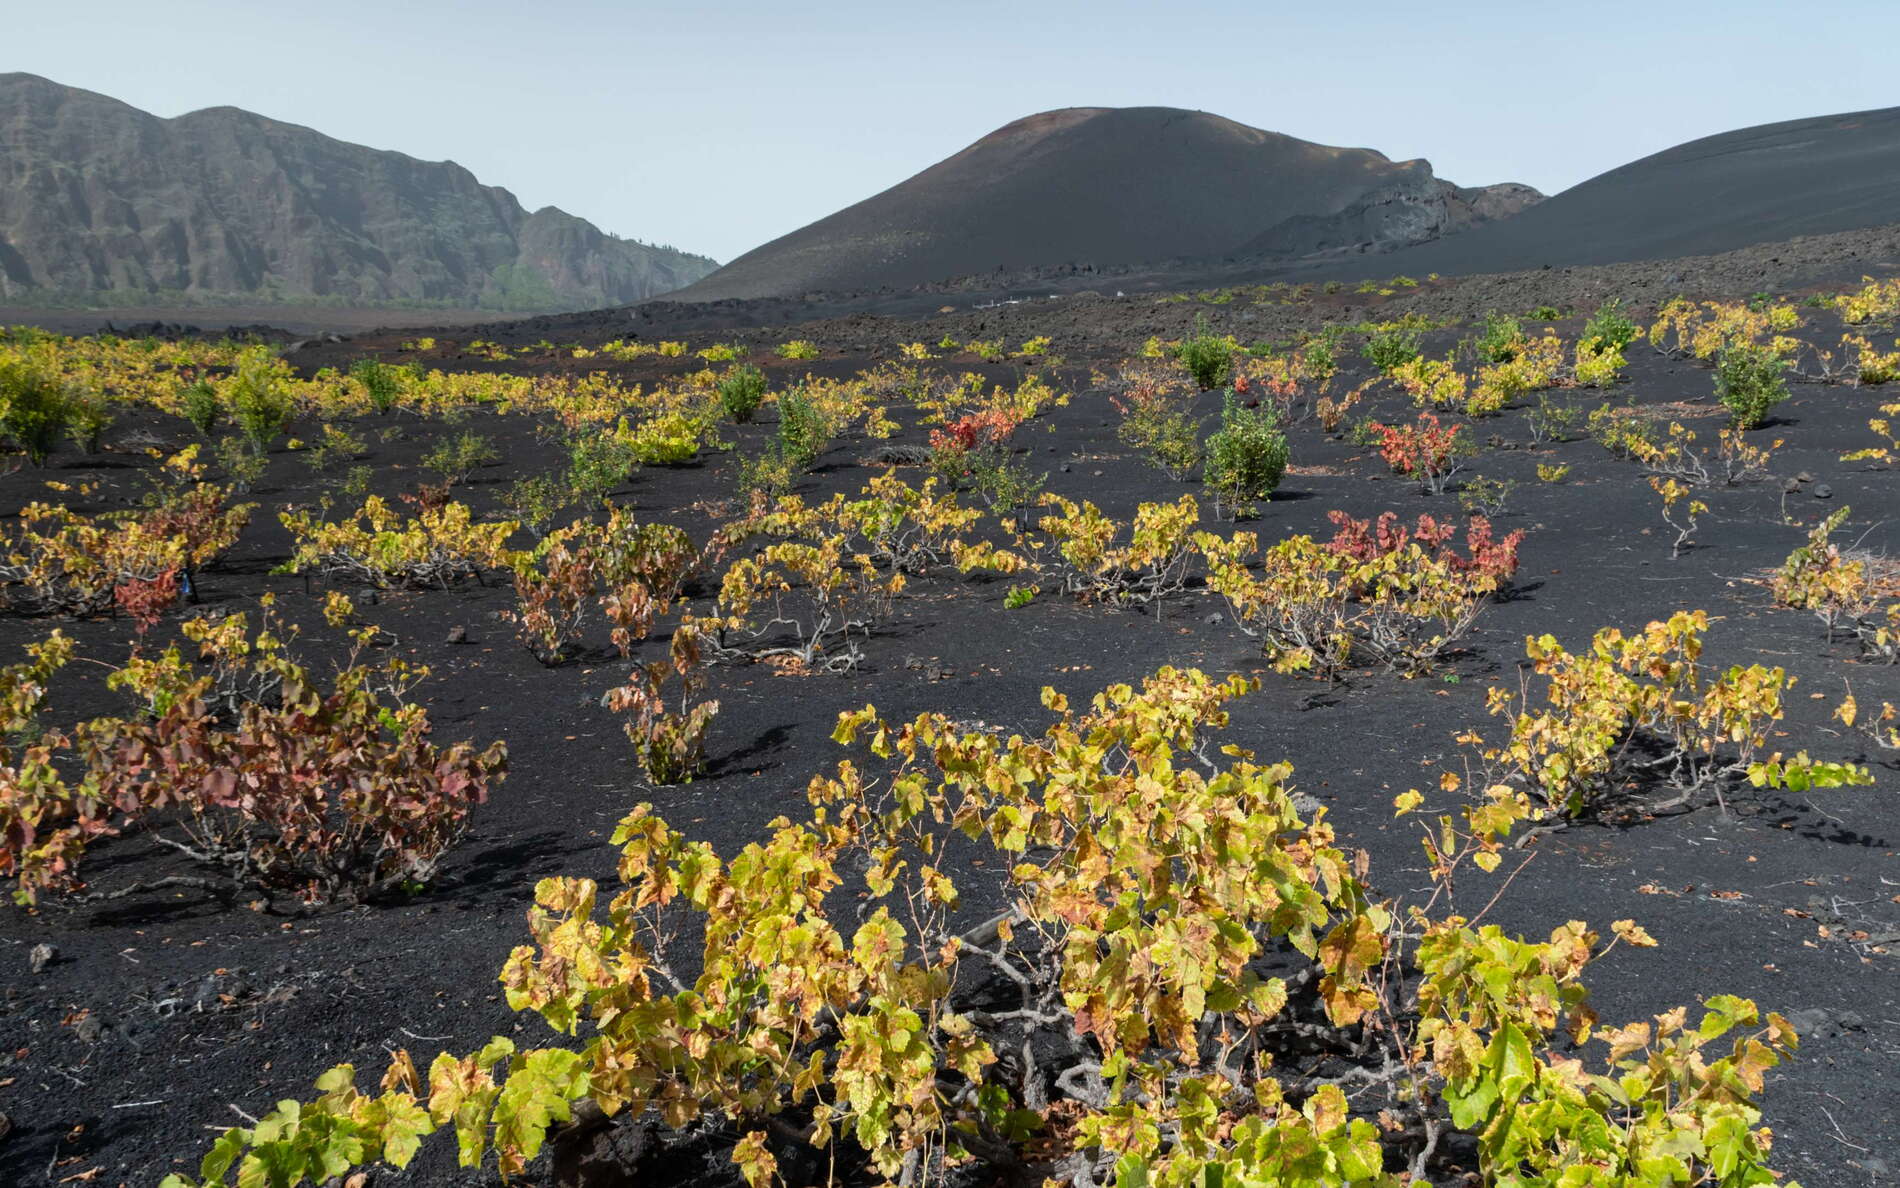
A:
[718,125]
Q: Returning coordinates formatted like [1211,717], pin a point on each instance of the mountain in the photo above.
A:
[1109,187]
[99,200]
[1755,185]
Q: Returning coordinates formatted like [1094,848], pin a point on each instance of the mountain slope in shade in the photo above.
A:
[1108,187]
[97,197]
[1755,185]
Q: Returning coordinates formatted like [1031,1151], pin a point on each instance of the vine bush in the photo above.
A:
[1174,932]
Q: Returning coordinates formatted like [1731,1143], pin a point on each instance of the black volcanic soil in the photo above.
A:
[167,1014]
[1090,314]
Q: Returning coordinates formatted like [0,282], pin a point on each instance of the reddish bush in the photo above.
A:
[1364,540]
[144,599]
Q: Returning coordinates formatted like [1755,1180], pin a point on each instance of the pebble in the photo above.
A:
[1213,620]
[458,634]
[90,1029]
[1823,492]
[1791,486]
[1804,477]
[41,956]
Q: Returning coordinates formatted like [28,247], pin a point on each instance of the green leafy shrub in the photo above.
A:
[38,407]
[259,398]
[203,407]
[741,390]
[382,383]
[1499,339]
[1749,381]
[597,463]
[1246,458]
[1391,348]
[1209,358]
[535,501]
[91,415]
[1608,328]
[458,457]
[802,433]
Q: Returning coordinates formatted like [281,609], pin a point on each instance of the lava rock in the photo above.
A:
[1823,492]
[41,956]
[458,634]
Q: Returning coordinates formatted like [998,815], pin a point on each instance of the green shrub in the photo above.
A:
[458,457]
[38,407]
[767,474]
[259,398]
[1608,329]
[381,382]
[242,466]
[1749,382]
[1499,337]
[1391,348]
[1209,358]
[802,434]
[740,392]
[202,407]
[1247,457]
[91,415]
[535,501]
[1544,313]
[597,463]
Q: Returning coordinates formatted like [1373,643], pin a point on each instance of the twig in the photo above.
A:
[1839,1137]
[1503,888]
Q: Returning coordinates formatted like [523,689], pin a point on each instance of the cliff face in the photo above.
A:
[1412,209]
[1106,187]
[97,197]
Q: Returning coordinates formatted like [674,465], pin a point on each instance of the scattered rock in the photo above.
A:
[41,956]
[1791,486]
[1804,477]
[1823,492]
[1214,620]
[458,634]
[1822,1023]
[90,1029]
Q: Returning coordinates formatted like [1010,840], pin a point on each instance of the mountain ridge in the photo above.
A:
[101,201]
[1106,187]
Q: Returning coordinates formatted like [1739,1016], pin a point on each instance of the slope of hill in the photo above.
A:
[1110,187]
[1754,185]
[101,201]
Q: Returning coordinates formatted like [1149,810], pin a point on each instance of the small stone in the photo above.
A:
[41,956]
[1823,491]
[1791,486]
[1213,620]
[458,634]
[90,1029]
[1066,468]
[1804,477]
[1098,474]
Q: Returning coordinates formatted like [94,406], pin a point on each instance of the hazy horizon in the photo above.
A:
[717,127]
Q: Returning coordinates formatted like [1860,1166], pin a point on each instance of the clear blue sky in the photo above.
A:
[720,124]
